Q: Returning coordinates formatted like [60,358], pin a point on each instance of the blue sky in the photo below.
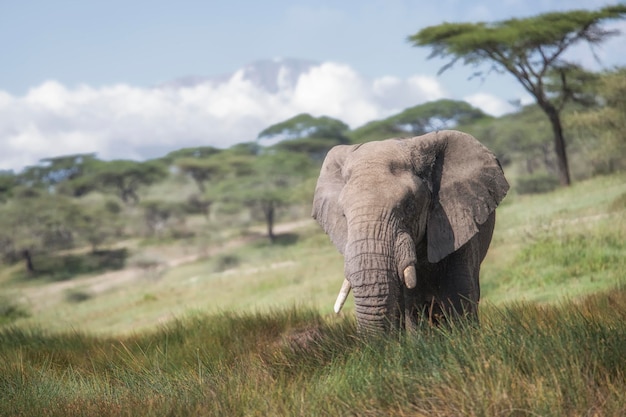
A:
[60,57]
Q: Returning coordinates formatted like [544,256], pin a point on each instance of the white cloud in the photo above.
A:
[122,121]
[490,104]
[335,90]
[395,94]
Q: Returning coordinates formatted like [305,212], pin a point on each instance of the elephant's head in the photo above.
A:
[391,206]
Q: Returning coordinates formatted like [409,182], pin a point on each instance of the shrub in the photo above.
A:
[224,262]
[76,296]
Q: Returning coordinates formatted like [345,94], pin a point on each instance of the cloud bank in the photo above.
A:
[126,122]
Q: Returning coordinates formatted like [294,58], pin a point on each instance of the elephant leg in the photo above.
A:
[458,290]
[419,301]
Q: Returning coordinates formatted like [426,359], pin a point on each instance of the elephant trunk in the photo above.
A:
[371,268]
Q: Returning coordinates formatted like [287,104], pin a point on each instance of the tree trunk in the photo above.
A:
[30,267]
[559,144]
[269,218]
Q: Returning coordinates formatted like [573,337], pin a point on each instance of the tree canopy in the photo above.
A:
[125,177]
[531,49]
[306,126]
[268,183]
[420,119]
[313,136]
[201,170]
[197,152]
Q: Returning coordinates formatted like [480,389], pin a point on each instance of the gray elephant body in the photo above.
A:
[414,219]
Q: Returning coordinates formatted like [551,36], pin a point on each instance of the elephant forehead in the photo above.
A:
[388,148]
[390,155]
[379,184]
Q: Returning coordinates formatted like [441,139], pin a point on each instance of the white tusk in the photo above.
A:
[343,295]
[410,277]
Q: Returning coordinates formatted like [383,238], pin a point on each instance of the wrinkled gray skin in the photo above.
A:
[413,218]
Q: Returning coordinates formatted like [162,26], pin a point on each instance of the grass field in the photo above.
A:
[526,359]
[245,329]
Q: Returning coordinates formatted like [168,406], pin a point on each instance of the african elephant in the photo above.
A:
[414,219]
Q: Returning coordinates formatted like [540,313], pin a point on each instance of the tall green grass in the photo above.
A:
[525,359]
[557,263]
[564,244]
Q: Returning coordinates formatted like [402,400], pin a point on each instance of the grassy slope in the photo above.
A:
[567,243]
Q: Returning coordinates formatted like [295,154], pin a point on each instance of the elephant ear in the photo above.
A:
[326,208]
[467,184]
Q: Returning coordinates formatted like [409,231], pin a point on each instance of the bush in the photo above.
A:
[224,262]
[76,296]
[536,184]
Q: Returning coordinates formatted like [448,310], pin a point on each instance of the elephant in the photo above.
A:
[413,218]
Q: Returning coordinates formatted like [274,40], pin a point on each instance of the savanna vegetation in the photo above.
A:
[197,284]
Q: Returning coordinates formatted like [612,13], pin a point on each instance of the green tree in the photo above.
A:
[434,115]
[157,214]
[603,127]
[95,224]
[34,224]
[125,177]
[375,130]
[306,134]
[201,163]
[34,229]
[67,167]
[271,181]
[531,49]
[304,126]
[420,119]
[522,136]
[197,152]
[8,181]
[57,170]
[201,170]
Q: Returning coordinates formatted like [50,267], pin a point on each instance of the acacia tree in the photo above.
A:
[305,125]
[268,181]
[198,163]
[420,119]
[531,49]
[125,177]
[35,223]
[276,176]
[306,134]
[201,170]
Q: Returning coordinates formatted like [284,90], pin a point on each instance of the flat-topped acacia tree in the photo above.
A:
[531,49]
